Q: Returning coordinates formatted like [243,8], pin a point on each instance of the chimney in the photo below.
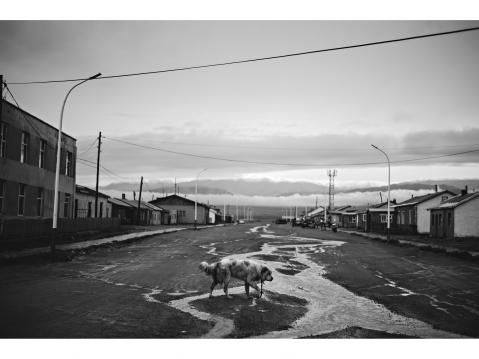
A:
[435,188]
[464,191]
[123,196]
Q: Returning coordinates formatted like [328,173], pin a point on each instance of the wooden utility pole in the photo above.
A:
[139,202]
[97,174]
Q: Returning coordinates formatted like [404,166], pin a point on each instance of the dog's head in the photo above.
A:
[266,274]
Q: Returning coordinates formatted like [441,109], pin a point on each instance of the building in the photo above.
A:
[457,217]
[336,215]
[28,148]
[84,206]
[412,215]
[182,210]
[157,215]
[121,210]
[377,217]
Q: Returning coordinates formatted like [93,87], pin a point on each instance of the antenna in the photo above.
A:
[331,174]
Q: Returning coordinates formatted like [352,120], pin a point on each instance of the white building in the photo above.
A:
[85,203]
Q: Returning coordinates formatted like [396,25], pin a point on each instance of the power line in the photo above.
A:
[275,57]
[21,112]
[288,164]
[104,169]
[89,148]
[309,149]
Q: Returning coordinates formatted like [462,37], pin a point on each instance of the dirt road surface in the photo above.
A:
[330,285]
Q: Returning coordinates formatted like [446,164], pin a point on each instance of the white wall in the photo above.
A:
[83,200]
[466,219]
[424,216]
[212,217]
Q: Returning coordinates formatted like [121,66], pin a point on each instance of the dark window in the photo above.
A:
[89,210]
[76,207]
[41,156]
[66,205]
[40,202]
[3,139]
[2,195]
[69,164]
[24,148]
[449,219]
[21,199]
[101,210]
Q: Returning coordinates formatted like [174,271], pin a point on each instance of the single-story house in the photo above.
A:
[457,217]
[377,217]
[182,209]
[412,215]
[85,203]
[336,215]
[158,215]
[122,210]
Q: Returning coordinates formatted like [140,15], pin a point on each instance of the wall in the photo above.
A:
[13,172]
[189,213]
[423,215]
[82,209]
[466,219]
[25,228]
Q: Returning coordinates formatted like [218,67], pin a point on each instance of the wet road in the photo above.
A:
[324,283]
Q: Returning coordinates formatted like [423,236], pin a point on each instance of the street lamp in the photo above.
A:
[196,194]
[389,190]
[57,170]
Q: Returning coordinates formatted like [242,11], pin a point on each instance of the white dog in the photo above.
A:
[246,270]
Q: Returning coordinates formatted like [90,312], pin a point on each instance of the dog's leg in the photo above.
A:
[226,283]
[255,286]
[246,287]
[213,285]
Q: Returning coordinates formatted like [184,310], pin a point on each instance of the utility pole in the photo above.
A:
[139,202]
[224,210]
[97,174]
[331,174]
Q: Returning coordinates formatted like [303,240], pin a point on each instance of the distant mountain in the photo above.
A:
[277,189]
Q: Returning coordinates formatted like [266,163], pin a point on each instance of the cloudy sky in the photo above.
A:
[414,99]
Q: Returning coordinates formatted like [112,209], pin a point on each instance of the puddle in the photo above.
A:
[330,306]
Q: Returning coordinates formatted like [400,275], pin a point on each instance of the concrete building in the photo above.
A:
[85,203]
[28,149]
[182,210]
[377,218]
[457,217]
[412,215]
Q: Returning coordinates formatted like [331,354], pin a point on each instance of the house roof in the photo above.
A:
[88,191]
[419,199]
[153,207]
[134,203]
[159,200]
[457,201]
[119,202]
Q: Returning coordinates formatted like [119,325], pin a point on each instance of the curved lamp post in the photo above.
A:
[196,195]
[389,190]
[57,170]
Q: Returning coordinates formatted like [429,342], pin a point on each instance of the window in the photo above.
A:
[76,207]
[449,219]
[66,205]
[24,148]
[89,210]
[383,218]
[21,199]
[2,195]
[3,139]
[353,219]
[101,210]
[41,156]
[68,165]
[40,202]
[365,217]
[444,198]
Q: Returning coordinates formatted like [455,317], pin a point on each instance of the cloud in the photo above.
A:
[299,152]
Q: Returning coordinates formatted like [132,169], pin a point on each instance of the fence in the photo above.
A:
[31,228]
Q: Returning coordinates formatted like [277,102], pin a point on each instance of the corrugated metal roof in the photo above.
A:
[153,207]
[119,202]
[420,199]
[457,200]
[88,191]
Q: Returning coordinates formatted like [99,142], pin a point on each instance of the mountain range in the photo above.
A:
[270,188]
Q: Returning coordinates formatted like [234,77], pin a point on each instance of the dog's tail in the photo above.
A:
[207,268]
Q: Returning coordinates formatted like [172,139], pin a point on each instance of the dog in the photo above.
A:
[246,270]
